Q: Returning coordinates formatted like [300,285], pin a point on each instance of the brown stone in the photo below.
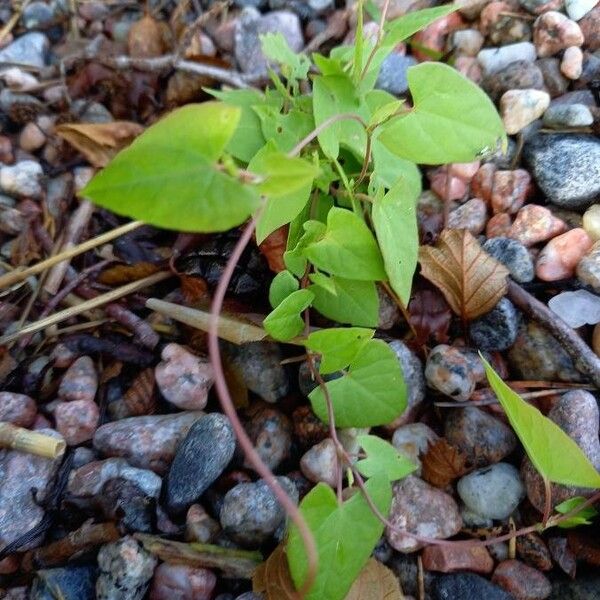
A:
[449,559]
[523,582]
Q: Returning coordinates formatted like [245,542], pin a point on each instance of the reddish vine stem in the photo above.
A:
[229,409]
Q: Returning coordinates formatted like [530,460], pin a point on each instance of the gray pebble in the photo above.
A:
[66,583]
[467,586]
[518,75]
[37,15]
[393,74]
[22,179]
[271,433]
[412,371]
[588,268]
[496,330]
[493,492]
[251,514]
[493,60]
[555,82]
[513,255]
[29,50]
[558,116]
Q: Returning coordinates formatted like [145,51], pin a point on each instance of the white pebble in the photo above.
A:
[571,65]
[493,60]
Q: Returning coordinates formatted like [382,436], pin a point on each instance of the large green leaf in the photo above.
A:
[453,119]
[284,321]
[395,220]
[348,248]
[285,129]
[383,458]
[371,393]
[169,177]
[282,285]
[345,536]
[346,300]
[338,347]
[553,453]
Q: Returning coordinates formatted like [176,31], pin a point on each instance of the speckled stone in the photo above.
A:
[532,550]
[576,413]
[413,441]
[522,581]
[482,183]
[467,586]
[77,420]
[482,438]
[448,371]
[566,168]
[497,329]
[588,268]
[147,442]
[421,509]
[472,215]
[17,409]
[534,224]
[559,257]
[513,255]
[571,65]
[519,108]
[320,463]
[503,28]
[498,226]
[556,84]
[537,355]
[493,60]
[201,457]
[271,433]
[553,32]
[510,189]
[251,514]
[568,115]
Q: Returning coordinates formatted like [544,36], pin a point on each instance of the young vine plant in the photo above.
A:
[328,154]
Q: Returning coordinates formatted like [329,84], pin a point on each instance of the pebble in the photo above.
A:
[466,42]
[308,428]
[89,479]
[568,115]
[448,559]
[467,586]
[423,510]
[271,433]
[413,441]
[577,9]
[566,168]
[534,224]
[588,268]
[483,439]
[513,255]
[147,442]
[125,570]
[201,457]
[519,108]
[199,526]
[389,313]
[80,382]
[67,583]
[183,378]
[448,371]
[414,380]
[493,492]
[22,180]
[510,189]
[473,520]
[571,65]
[21,472]
[591,221]
[392,77]
[180,582]
[320,463]
[556,84]
[77,420]
[17,409]
[522,581]
[559,257]
[31,138]
[434,35]
[590,26]
[37,15]
[493,60]
[259,365]
[576,308]
[537,355]
[532,550]
[472,215]
[251,514]
[502,28]
[553,32]
[251,24]
[576,413]
[482,183]
[28,50]
[497,329]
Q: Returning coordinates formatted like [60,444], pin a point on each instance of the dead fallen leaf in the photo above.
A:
[375,582]
[273,248]
[471,280]
[272,578]
[139,399]
[145,38]
[99,142]
[443,463]
[121,274]
[429,314]
[194,288]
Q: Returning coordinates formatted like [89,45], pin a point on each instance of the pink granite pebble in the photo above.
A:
[446,185]
[77,421]
[510,190]
[471,215]
[561,254]
[483,181]
[553,32]
[534,224]
[571,65]
[499,225]
[80,382]
[17,409]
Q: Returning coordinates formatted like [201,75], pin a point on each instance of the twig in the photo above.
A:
[77,223]
[583,358]
[111,296]
[21,274]
[18,438]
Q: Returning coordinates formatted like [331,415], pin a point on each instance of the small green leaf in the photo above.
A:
[383,458]
[553,453]
[324,281]
[453,120]
[371,393]
[284,321]
[168,176]
[345,536]
[282,285]
[348,248]
[276,48]
[583,517]
[354,302]
[286,130]
[338,347]
[294,258]
[395,220]
[358,43]
[383,113]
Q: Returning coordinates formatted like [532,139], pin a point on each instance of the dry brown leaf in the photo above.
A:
[121,274]
[194,289]
[273,247]
[99,142]
[272,578]
[442,464]
[139,398]
[375,582]
[145,38]
[471,280]
[429,314]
